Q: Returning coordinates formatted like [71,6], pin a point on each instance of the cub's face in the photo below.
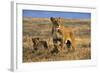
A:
[35,41]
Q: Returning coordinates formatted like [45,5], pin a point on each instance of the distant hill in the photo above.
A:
[31,20]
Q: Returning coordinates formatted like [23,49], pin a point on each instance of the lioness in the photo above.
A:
[65,34]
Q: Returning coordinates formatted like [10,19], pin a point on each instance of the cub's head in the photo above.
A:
[35,41]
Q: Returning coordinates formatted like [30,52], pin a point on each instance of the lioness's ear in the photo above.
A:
[59,18]
[51,18]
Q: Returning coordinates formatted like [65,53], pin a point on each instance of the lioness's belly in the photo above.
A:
[66,36]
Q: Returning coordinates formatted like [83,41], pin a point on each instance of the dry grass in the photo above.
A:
[39,27]
[45,55]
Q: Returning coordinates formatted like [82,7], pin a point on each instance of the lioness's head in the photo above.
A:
[56,21]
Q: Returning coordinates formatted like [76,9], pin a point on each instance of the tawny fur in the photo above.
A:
[66,32]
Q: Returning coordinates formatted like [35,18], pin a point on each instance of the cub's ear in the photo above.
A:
[33,40]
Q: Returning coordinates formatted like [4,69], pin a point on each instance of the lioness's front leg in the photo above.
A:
[62,45]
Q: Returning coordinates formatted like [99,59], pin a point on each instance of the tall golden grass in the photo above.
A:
[41,27]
